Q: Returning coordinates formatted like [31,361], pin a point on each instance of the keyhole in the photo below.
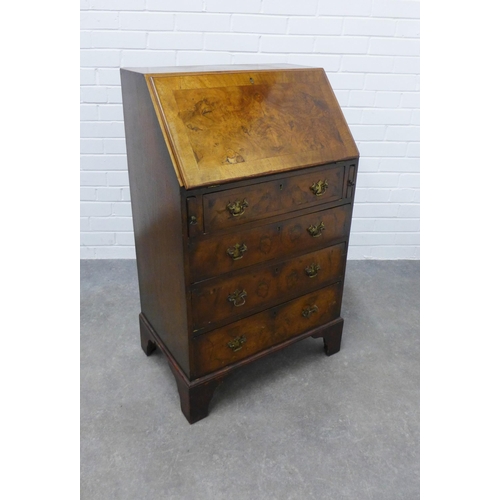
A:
[279,228]
[281,187]
[251,81]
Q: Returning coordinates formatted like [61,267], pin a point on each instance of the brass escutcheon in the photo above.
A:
[237,343]
[312,270]
[237,297]
[307,311]
[315,231]
[237,208]
[319,188]
[237,251]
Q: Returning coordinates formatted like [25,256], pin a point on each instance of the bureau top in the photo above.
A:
[227,123]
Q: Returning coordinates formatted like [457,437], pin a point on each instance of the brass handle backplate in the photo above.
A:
[237,343]
[237,208]
[307,311]
[237,297]
[319,188]
[312,270]
[315,231]
[237,251]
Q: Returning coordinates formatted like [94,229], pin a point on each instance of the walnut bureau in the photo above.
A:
[242,183]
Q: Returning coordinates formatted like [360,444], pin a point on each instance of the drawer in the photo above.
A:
[248,291]
[235,206]
[244,338]
[214,255]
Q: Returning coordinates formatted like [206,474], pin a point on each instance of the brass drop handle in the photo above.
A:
[315,231]
[237,297]
[237,343]
[319,188]
[307,311]
[237,208]
[237,251]
[312,270]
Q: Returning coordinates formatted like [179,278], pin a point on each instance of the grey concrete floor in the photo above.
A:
[296,425]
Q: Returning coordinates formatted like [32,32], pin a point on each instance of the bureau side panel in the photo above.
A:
[156,209]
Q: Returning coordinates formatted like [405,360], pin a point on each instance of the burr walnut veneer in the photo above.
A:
[242,183]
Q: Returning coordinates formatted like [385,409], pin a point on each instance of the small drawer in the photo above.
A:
[249,291]
[235,206]
[244,338]
[213,255]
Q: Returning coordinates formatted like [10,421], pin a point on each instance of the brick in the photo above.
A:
[118,4]
[407,28]
[350,8]
[361,225]
[122,208]
[402,195]
[410,165]
[358,253]
[84,4]
[371,27]
[347,81]
[146,21]
[415,117]
[258,24]
[342,97]
[352,115]
[118,40]
[143,58]
[368,164]
[88,209]
[114,94]
[410,100]
[394,46]
[397,225]
[289,8]
[109,194]
[409,210]
[371,238]
[387,116]
[98,20]
[92,179]
[88,194]
[89,112]
[363,98]
[102,129]
[327,62]
[395,8]
[111,224]
[391,82]
[175,5]
[409,181]
[186,58]
[111,112]
[89,146]
[87,76]
[377,180]
[407,133]
[84,223]
[286,44]
[96,239]
[126,194]
[367,195]
[232,42]
[173,41]
[383,148]
[248,6]
[202,22]
[413,150]
[99,58]
[85,40]
[103,162]
[115,252]
[93,94]
[387,99]
[107,76]
[117,178]
[87,253]
[367,64]
[315,26]
[368,132]
[342,45]
[126,239]
[407,239]
[375,210]
[407,65]
[115,146]
[258,58]
[393,252]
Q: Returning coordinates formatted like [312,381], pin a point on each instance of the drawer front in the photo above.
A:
[249,291]
[216,255]
[235,206]
[251,335]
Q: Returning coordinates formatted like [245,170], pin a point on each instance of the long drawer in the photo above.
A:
[214,255]
[236,206]
[244,338]
[250,290]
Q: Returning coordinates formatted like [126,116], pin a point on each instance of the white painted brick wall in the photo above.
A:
[369,49]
